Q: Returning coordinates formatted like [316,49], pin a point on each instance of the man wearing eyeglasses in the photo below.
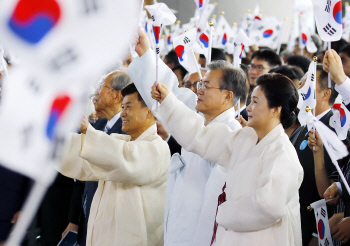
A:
[262,62]
[193,183]
[191,80]
[107,100]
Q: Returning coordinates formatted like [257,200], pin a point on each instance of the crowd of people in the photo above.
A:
[175,163]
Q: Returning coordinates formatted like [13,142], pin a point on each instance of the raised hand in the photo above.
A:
[142,44]
[159,92]
[332,64]
[314,141]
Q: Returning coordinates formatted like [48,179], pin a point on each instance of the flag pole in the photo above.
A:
[198,69]
[210,43]
[30,207]
[280,37]
[329,75]
[142,3]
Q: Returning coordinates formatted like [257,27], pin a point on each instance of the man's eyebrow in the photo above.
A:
[127,103]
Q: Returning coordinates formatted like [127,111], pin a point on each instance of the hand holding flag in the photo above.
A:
[332,64]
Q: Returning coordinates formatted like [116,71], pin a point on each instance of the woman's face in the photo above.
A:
[259,114]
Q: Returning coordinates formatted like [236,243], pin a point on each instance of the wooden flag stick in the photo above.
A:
[210,43]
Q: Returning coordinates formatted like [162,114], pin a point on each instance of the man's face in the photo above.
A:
[190,81]
[133,114]
[345,60]
[105,96]
[212,99]
[257,68]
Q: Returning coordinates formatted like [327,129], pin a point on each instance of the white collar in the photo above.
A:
[111,122]
[152,130]
[318,117]
[224,115]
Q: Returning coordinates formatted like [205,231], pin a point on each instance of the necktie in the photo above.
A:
[106,130]
[221,199]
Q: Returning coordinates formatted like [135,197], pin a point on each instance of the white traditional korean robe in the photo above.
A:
[194,183]
[128,206]
[263,179]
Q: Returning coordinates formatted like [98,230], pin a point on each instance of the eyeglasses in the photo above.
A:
[103,85]
[92,97]
[189,84]
[258,67]
[205,87]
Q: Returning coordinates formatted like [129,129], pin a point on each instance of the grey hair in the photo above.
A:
[120,80]
[232,79]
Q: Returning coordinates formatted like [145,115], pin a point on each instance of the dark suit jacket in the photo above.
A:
[308,192]
[14,189]
[174,146]
[244,114]
[90,186]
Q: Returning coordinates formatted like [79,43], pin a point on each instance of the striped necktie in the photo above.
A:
[107,128]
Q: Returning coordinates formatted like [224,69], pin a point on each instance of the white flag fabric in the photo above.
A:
[346,23]
[305,40]
[307,94]
[328,15]
[161,15]
[292,38]
[321,215]
[183,47]
[240,42]
[266,32]
[335,148]
[340,120]
[223,37]
[203,39]
[55,73]
[206,13]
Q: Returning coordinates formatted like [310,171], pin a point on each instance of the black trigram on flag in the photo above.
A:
[63,59]
[186,40]
[303,95]
[326,242]
[328,6]
[312,77]
[157,50]
[257,38]
[153,18]
[329,29]
[323,212]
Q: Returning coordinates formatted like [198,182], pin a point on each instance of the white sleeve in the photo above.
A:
[135,162]
[142,71]
[268,204]
[72,165]
[340,188]
[344,90]
[212,142]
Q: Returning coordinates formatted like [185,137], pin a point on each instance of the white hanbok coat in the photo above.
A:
[193,183]
[128,206]
[263,179]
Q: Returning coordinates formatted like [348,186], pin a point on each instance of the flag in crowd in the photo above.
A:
[322,225]
[340,120]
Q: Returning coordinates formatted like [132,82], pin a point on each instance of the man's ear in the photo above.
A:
[326,94]
[229,96]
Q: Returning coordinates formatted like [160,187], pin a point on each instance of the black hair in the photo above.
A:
[299,61]
[280,91]
[232,79]
[323,82]
[338,45]
[131,89]
[345,49]
[269,56]
[172,57]
[183,71]
[245,70]
[217,54]
[298,71]
[284,70]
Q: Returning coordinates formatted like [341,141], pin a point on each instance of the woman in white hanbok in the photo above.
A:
[264,173]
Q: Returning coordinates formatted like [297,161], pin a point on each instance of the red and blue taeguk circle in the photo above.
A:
[337,12]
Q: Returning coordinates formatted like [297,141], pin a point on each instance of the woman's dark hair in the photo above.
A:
[280,91]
